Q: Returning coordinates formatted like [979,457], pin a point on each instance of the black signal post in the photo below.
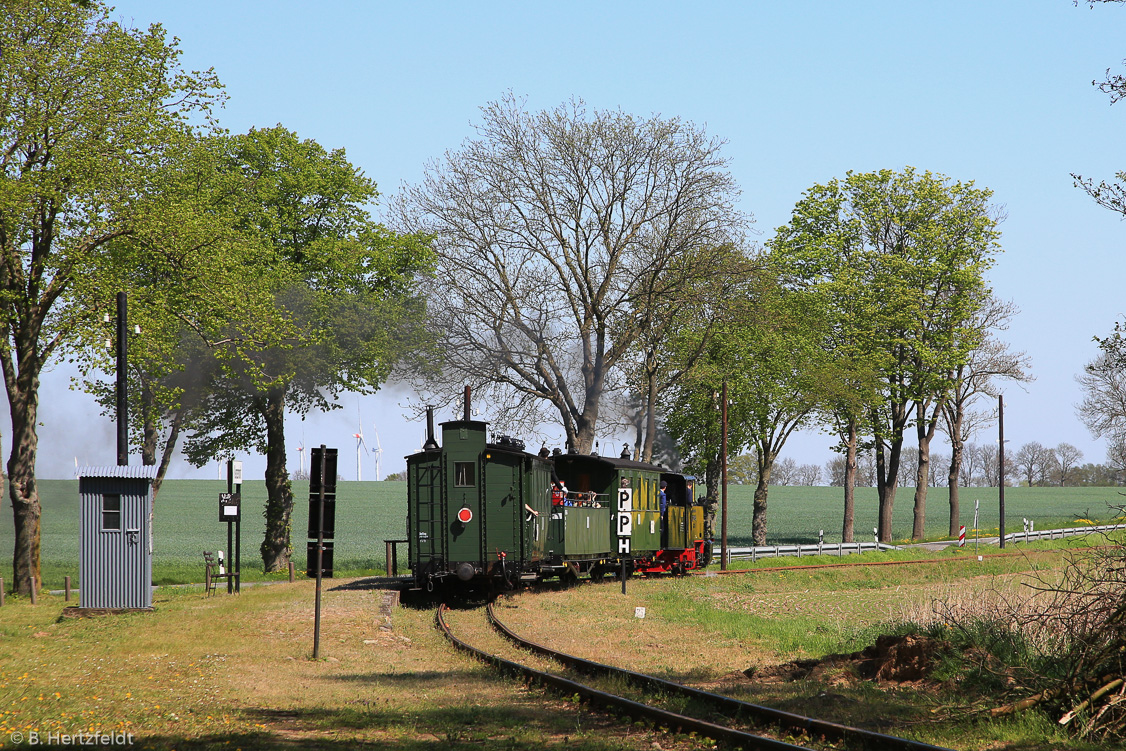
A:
[122,381]
[320,553]
[234,487]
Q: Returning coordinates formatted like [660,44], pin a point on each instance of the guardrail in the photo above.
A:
[839,549]
[1029,535]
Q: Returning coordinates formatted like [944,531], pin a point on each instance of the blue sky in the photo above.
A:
[995,92]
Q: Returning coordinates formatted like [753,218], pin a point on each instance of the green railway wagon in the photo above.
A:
[478,510]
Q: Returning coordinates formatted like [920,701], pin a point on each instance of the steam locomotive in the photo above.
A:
[488,512]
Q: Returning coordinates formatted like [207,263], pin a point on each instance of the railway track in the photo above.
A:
[735,714]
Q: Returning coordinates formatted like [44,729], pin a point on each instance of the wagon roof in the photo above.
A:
[617,462]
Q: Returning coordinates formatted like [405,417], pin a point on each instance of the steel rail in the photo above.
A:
[726,735]
[812,726]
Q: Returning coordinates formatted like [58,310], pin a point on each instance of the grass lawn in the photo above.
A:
[234,672]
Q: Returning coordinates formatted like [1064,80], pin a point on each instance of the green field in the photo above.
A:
[370,512]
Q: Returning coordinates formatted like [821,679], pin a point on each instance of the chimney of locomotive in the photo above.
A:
[431,444]
[468,412]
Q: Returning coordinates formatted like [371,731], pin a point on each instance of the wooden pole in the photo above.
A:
[723,482]
[66,580]
[1,591]
[291,572]
[34,587]
[1001,459]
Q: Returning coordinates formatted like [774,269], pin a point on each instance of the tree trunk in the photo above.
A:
[150,433]
[758,519]
[650,417]
[925,427]
[848,530]
[954,476]
[887,478]
[169,447]
[758,522]
[922,475]
[23,401]
[276,548]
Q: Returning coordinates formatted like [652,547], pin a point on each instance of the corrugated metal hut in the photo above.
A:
[116,548]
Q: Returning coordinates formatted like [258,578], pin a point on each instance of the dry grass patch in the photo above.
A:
[234,672]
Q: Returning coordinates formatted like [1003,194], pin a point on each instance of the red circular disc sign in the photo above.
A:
[465,516]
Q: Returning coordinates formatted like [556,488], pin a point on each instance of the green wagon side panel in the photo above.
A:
[502,517]
[646,535]
[537,520]
[586,531]
[678,532]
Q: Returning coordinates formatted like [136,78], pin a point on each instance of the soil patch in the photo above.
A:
[892,659]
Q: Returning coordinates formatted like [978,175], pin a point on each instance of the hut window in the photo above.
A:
[111,511]
[463,474]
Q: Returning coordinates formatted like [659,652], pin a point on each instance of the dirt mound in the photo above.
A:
[892,659]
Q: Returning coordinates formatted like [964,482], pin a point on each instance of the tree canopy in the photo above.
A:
[89,111]
[553,231]
[899,258]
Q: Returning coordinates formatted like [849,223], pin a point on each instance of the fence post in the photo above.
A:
[66,580]
[34,595]
[291,572]
[1,591]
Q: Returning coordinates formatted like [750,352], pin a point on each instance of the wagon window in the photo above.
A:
[463,474]
[111,511]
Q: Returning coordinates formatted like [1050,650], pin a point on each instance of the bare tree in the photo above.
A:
[807,475]
[552,230]
[909,462]
[784,472]
[1065,459]
[1032,460]
[865,470]
[835,470]
[987,363]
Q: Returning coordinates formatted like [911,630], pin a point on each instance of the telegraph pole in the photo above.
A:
[1001,460]
[723,482]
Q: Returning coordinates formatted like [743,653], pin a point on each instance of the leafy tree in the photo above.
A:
[913,249]
[768,352]
[90,110]
[557,232]
[344,284]
[741,469]
[189,294]
[818,253]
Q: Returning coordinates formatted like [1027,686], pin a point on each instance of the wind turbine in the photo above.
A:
[301,455]
[360,445]
[378,452]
